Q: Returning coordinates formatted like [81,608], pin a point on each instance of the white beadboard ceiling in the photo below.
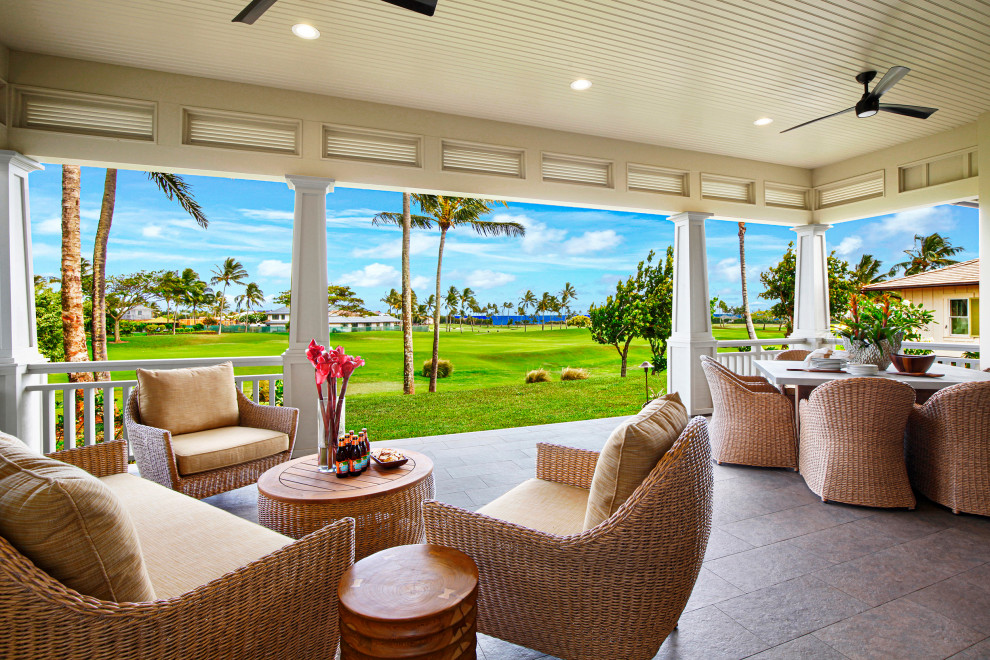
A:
[692,74]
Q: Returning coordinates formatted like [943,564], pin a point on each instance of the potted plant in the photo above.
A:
[874,329]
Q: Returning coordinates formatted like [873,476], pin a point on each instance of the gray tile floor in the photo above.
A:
[785,576]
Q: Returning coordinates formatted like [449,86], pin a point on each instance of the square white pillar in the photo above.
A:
[983,153]
[20,413]
[691,327]
[812,313]
[308,309]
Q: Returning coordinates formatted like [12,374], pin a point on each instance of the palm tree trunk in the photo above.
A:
[742,272]
[100,271]
[73,319]
[220,315]
[436,317]
[408,384]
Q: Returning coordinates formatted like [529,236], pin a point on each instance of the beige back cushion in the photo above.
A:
[630,453]
[70,525]
[188,400]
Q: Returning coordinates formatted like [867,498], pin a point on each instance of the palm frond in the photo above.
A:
[389,218]
[498,228]
[176,188]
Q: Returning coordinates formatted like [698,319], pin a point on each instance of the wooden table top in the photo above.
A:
[299,480]
[777,373]
[408,583]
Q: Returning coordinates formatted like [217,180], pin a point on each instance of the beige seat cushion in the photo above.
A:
[188,400]
[544,505]
[188,543]
[70,525]
[224,447]
[630,453]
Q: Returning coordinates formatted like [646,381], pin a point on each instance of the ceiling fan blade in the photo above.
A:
[253,11]
[427,7]
[834,114]
[891,78]
[916,111]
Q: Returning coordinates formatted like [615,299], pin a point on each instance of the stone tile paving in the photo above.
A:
[785,576]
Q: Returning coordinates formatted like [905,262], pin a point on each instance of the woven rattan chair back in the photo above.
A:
[793,354]
[949,448]
[852,442]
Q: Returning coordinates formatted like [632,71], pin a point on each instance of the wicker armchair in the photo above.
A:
[852,442]
[283,605]
[152,449]
[948,448]
[793,354]
[752,422]
[614,591]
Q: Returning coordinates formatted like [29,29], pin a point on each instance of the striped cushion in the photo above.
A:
[70,525]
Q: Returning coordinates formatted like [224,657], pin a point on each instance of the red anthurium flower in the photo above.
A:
[313,351]
[324,369]
[349,364]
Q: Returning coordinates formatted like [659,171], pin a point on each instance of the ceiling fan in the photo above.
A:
[869,104]
[256,8]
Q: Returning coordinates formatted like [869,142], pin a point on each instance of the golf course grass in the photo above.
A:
[485,391]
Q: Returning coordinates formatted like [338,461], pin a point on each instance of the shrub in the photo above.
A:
[152,328]
[573,373]
[126,327]
[444,368]
[538,376]
[209,320]
[197,326]
[579,322]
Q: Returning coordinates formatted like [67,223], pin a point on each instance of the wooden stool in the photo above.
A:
[411,601]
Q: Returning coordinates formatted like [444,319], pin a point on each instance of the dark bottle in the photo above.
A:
[354,455]
[340,462]
[365,449]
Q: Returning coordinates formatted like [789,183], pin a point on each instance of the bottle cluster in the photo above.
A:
[353,454]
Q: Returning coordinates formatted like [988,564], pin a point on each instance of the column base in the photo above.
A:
[812,341]
[685,375]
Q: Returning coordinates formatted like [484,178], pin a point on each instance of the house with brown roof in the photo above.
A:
[953,293]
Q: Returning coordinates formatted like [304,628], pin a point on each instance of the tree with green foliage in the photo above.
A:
[231,271]
[124,293]
[252,297]
[867,272]
[48,320]
[613,323]
[283,299]
[929,253]
[345,302]
[778,282]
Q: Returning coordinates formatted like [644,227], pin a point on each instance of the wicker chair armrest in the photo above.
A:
[152,449]
[566,465]
[100,460]
[752,379]
[758,387]
[273,418]
[485,538]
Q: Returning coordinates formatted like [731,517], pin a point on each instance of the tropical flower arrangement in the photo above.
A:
[875,328]
[331,365]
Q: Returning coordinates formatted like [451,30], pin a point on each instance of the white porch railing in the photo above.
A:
[741,362]
[95,395]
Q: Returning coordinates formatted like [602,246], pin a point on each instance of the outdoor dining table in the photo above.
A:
[787,372]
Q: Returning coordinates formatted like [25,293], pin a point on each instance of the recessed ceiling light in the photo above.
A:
[580,84]
[304,31]
[763,121]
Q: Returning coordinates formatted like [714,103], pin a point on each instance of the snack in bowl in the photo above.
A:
[389,458]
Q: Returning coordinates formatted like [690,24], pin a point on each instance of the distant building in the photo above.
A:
[139,313]
[278,318]
[952,293]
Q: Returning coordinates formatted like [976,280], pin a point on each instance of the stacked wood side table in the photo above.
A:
[294,499]
[413,602]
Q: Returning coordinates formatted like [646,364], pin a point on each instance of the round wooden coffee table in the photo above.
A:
[294,499]
[414,601]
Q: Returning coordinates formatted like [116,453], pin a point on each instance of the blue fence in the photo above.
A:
[515,319]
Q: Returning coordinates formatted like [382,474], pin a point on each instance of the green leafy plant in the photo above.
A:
[872,321]
[579,321]
[573,373]
[444,368]
[538,376]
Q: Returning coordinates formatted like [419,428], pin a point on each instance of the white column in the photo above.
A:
[20,414]
[811,307]
[308,311]
[691,328]
[983,153]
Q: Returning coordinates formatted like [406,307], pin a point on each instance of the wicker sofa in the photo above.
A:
[615,590]
[223,587]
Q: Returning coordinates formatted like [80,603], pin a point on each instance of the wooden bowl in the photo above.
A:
[389,464]
[912,364]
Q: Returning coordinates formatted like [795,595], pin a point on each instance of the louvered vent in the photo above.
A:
[791,197]
[644,178]
[850,190]
[233,130]
[372,146]
[483,159]
[727,189]
[576,169]
[85,114]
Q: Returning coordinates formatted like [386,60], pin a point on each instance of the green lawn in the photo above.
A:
[486,390]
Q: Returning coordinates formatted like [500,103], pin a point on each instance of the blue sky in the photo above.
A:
[252,221]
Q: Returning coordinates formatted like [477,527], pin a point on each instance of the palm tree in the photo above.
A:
[929,253]
[194,295]
[468,304]
[507,308]
[528,300]
[175,188]
[393,300]
[542,307]
[448,213]
[252,297]
[742,276]
[567,294]
[73,319]
[867,272]
[231,271]
[451,301]
[169,287]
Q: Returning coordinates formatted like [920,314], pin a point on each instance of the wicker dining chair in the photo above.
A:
[156,460]
[948,448]
[613,591]
[852,442]
[794,354]
[752,422]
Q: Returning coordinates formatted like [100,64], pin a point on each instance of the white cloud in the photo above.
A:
[918,221]
[274,268]
[849,245]
[267,214]
[727,270]
[418,243]
[488,279]
[538,235]
[420,282]
[49,226]
[151,231]
[372,275]
[592,241]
